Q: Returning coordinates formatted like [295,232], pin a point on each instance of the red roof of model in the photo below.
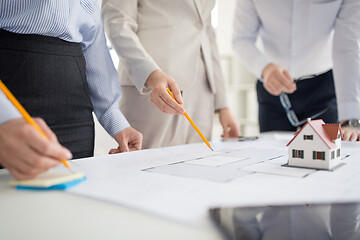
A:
[327,132]
[332,130]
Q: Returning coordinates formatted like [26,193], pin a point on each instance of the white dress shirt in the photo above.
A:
[74,21]
[305,37]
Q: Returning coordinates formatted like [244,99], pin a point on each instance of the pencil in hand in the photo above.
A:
[193,124]
[26,116]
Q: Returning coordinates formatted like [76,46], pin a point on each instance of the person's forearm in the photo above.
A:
[246,28]
[346,60]
[119,17]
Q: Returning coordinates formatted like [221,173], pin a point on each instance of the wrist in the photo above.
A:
[152,78]
[353,123]
[221,110]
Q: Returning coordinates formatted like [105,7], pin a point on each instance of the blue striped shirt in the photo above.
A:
[73,21]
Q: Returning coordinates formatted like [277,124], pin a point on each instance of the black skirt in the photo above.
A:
[48,77]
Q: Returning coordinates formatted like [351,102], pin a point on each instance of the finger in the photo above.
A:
[123,146]
[353,136]
[234,131]
[287,84]
[167,98]
[45,147]
[273,84]
[17,163]
[48,132]
[19,175]
[161,104]
[24,170]
[346,136]
[25,158]
[176,92]
[272,89]
[114,151]
[225,132]
[38,163]
[137,145]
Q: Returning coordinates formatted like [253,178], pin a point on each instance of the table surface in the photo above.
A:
[59,215]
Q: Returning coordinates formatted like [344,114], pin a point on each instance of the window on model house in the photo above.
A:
[338,153]
[319,155]
[308,137]
[298,153]
[332,154]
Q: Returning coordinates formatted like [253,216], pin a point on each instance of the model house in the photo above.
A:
[315,145]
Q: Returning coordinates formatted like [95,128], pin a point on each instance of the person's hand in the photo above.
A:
[25,153]
[277,80]
[159,82]
[128,139]
[230,126]
[350,134]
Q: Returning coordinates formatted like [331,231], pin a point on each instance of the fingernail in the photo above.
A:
[68,154]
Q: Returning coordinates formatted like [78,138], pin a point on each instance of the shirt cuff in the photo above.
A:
[141,74]
[349,110]
[259,66]
[220,102]
[114,121]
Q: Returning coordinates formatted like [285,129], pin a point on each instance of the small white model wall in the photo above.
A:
[317,144]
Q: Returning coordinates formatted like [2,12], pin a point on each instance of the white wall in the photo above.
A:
[240,83]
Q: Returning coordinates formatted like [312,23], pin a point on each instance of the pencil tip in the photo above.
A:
[211,148]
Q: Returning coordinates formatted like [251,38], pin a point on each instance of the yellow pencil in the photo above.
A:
[193,124]
[26,115]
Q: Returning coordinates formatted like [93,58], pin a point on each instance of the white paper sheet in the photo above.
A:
[165,181]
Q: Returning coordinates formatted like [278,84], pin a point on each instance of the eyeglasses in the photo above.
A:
[293,119]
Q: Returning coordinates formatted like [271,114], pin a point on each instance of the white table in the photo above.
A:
[59,215]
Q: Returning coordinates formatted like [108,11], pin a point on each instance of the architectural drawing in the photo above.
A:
[229,165]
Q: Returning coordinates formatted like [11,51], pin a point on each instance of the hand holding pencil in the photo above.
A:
[23,149]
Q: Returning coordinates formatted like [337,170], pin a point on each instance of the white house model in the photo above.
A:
[315,145]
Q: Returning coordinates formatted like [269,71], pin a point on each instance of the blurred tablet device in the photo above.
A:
[240,139]
[285,222]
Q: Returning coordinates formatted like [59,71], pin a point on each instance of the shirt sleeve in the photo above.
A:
[104,85]
[119,18]
[346,60]
[7,109]
[246,28]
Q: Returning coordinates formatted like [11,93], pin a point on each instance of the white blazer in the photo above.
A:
[167,35]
